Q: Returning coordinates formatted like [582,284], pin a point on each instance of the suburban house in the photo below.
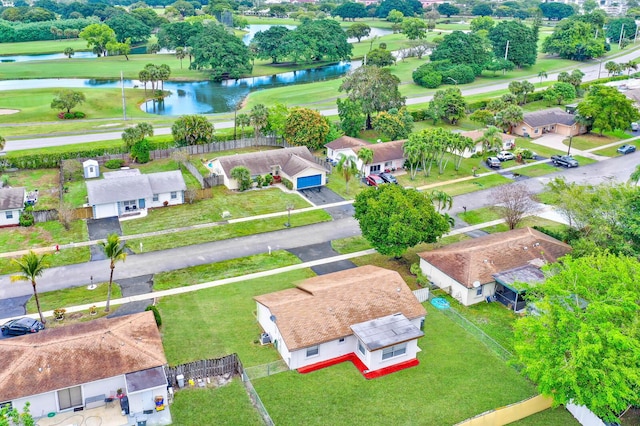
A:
[508,142]
[343,145]
[296,164]
[491,266]
[367,315]
[553,120]
[11,205]
[83,366]
[128,192]
[386,155]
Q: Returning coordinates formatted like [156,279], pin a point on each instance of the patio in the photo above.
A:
[106,415]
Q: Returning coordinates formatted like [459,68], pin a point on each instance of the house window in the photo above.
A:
[174,195]
[388,164]
[313,351]
[341,340]
[155,197]
[479,291]
[360,347]
[375,168]
[394,351]
[9,214]
[69,398]
[129,205]
[535,131]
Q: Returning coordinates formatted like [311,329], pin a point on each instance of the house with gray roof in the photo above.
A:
[11,205]
[386,155]
[128,192]
[295,164]
[552,120]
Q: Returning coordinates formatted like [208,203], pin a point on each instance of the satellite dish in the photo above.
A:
[476,284]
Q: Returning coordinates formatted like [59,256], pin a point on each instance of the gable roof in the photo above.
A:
[549,116]
[260,163]
[477,134]
[480,258]
[11,198]
[385,151]
[131,186]
[323,308]
[296,164]
[71,355]
[346,142]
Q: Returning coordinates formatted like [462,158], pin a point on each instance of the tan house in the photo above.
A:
[295,164]
[367,315]
[508,142]
[81,366]
[553,120]
[466,270]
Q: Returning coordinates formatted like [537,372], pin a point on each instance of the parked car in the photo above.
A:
[505,155]
[634,126]
[627,149]
[389,178]
[20,326]
[332,161]
[373,180]
[493,162]
[564,161]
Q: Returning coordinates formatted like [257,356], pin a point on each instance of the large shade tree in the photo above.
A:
[522,46]
[97,37]
[393,218]
[222,54]
[30,267]
[584,346]
[607,109]
[306,127]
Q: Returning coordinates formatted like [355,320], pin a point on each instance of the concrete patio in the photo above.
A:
[107,415]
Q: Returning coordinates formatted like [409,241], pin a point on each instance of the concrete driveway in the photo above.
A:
[99,229]
[321,251]
[555,141]
[322,195]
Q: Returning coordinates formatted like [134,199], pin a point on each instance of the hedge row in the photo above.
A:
[11,32]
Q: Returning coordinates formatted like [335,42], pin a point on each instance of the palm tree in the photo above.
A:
[144,76]
[115,250]
[441,199]
[69,52]
[258,116]
[243,121]
[635,176]
[631,65]
[180,54]
[366,156]
[164,72]
[3,141]
[490,139]
[31,266]
[348,166]
[542,74]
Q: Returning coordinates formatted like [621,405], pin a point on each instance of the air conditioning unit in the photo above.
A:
[265,339]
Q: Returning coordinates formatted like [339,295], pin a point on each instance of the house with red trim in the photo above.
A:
[367,315]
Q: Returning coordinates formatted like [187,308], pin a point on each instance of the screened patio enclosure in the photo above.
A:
[511,285]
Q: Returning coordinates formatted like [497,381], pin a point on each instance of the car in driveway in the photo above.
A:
[493,162]
[388,177]
[626,149]
[505,156]
[374,180]
[20,326]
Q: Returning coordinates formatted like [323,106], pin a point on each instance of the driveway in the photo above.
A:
[322,195]
[99,229]
[133,287]
[555,141]
[321,251]
[14,306]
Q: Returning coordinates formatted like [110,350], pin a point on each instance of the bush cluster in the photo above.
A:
[156,314]
[116,163]
[287,183]
[71,115]
[11,32]
[26,218]
[433,74]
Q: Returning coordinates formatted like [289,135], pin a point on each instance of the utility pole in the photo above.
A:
[506,50]
[124,102]
[621,34]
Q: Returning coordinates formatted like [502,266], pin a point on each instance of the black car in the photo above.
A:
[20,326]
[627,149]
[389,178]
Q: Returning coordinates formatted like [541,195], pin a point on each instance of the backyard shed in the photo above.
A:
[91,169]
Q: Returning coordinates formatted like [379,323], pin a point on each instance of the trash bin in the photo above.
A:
[141,420]
[124,405]
[180,379]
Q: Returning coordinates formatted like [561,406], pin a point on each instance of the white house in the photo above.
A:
[295,164]
[343,145]
[467,269]
[367,315]
[508,142]
[82,366]
[11,205]
[91,169]
[129,192]
[386,155]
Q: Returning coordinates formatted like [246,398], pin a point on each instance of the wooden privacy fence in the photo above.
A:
[83,213]
[510,413]
[202,369]
[40,216]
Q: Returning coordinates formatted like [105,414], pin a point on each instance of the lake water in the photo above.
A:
[47,57]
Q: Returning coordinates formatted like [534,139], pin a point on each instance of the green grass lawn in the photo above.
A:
[350,244]
[75,193]
[227,405]
[46,181]
[73,296]
[42,235]
[44,46]
[472,185]
[63,257]
[536,170]
[451,361]
[591,141]
[551,417]
[482,215]
[239,204]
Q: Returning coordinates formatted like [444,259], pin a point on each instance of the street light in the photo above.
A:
[570,140]
[289,207]
[454,80]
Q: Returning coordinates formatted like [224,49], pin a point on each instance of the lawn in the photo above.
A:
[482,215]
[473,185]
[551,417]
[73,296]
[64,257]
[41,235]
[239,204]
[227,405]
[536,170]
[41,47]
[448,368]
[350,244]
[46,181]
[591,141]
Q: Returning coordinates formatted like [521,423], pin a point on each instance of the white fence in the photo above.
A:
[584,415]
[422,294]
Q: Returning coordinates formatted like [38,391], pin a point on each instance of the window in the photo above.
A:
[479,291]
[388,164]
[9,214]
[313,351]
[174,195]
[341,340]
[536,131]
[70,397]
[129,205]
[375,168]
[155,197]
[360,347]
[394,351]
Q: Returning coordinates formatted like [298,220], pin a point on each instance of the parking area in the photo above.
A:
[99,229]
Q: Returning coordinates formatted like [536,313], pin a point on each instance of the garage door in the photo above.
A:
[309,181]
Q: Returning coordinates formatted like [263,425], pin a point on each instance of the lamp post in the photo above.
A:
[454,80]
[289,207]
[570,140]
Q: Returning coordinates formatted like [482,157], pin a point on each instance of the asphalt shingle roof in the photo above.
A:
[11,198]
[548,117]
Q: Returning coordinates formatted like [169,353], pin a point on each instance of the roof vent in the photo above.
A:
[525,248]
[536,244]
[486,261]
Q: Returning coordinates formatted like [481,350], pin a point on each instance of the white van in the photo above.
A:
[634,126]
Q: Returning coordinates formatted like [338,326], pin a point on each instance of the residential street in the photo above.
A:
[616,169]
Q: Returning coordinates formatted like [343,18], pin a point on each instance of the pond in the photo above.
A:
[195,97]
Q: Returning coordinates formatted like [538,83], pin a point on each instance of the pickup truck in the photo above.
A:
[564,160]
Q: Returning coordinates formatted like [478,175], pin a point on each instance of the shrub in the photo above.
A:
[59,313]
[431,80]
[267,180]
[156,314]
[79,114]
[259,180]
[26,218]
[460,74]
[287,183]
[69,116]
[116,163]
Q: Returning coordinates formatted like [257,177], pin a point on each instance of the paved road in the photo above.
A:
[616,169]
[591,69]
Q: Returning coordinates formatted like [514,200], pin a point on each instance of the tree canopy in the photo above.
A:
[448,105]
[67,99]
[269,44]
[574,39]
[607,109]
[220,52]
[523,45]
[448,9]
[464,49]
[556,11]
[306,127]
[583,346]
[393,218]
[192,130]
[97,36]
[350,11]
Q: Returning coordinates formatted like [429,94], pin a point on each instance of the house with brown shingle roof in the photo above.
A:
[467,270]
[386,155]
[343,143]
[552,120]
[295,164]
[82,366]
[11,205]
[368,313]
